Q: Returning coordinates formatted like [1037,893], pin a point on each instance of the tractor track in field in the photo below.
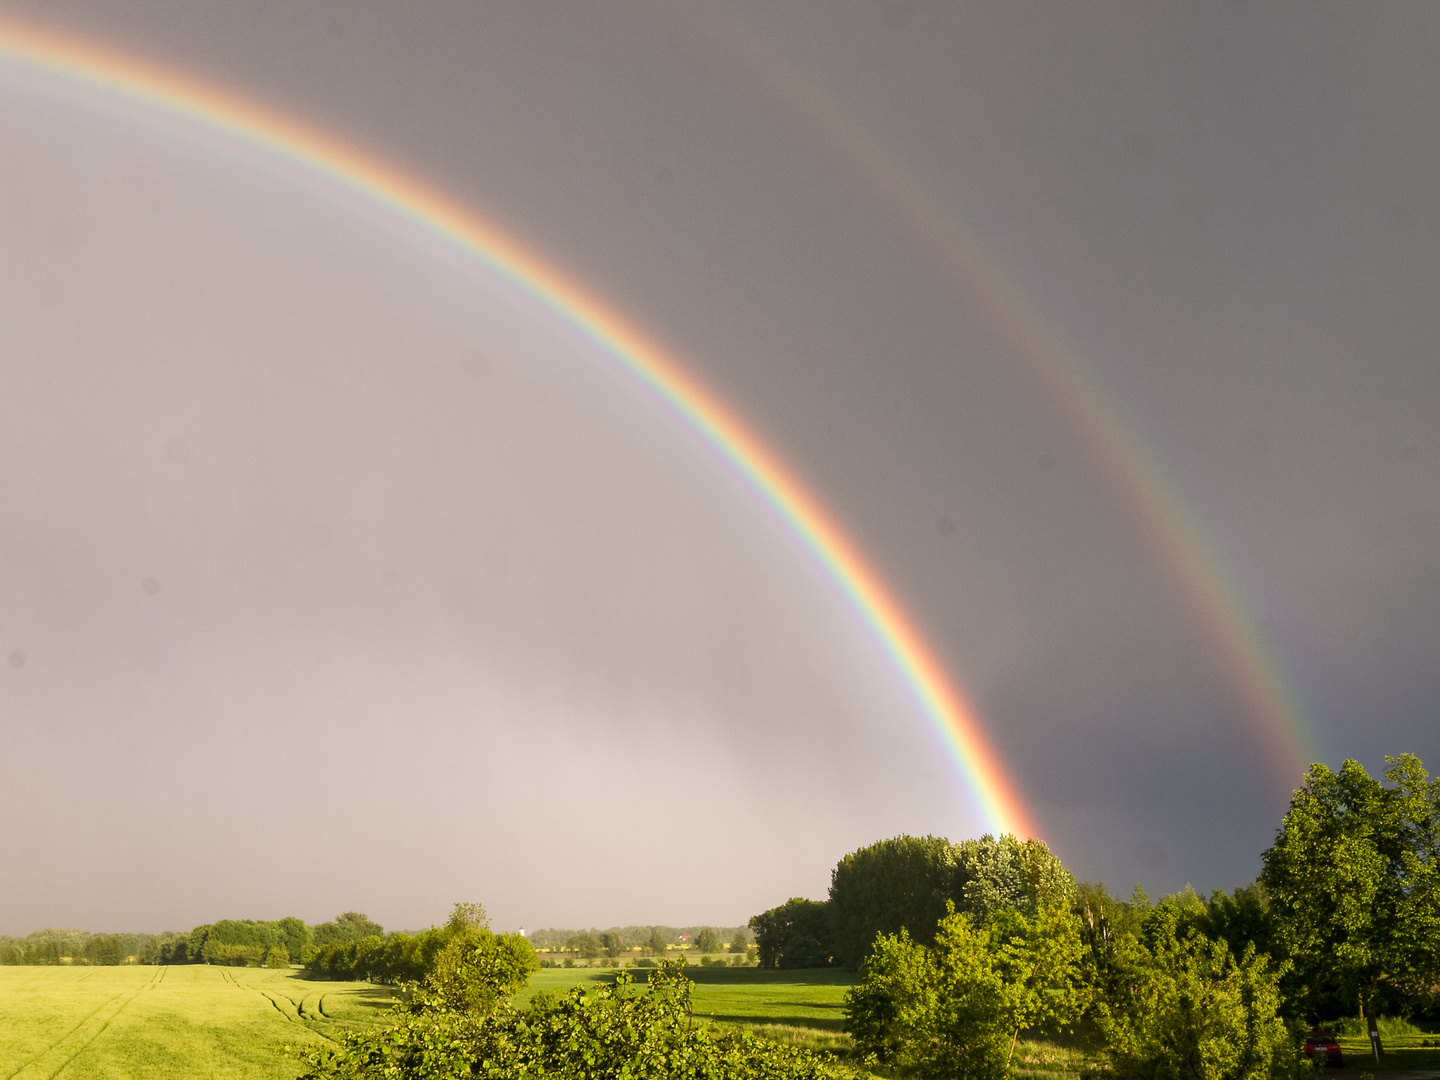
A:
[274,999]
[59,1043]
[26,1064]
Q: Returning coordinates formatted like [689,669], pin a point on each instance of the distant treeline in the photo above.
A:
[649,940]
[58,946]
[350,946]
[230,942]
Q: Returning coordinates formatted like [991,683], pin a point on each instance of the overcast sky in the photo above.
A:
[336,574]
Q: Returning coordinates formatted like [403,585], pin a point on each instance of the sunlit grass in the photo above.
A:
[171,1022]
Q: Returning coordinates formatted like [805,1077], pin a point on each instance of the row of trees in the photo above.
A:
[1344,919]
[231,942]
[58,946]
[408,958]
[907,883]
[648,940]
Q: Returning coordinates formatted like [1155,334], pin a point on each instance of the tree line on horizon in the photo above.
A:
[228,942]
[646,940]
[331,948]
[961,947]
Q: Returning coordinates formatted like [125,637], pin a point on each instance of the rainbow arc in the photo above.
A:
[939,698]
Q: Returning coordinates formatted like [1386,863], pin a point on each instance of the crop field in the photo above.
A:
[163,1022]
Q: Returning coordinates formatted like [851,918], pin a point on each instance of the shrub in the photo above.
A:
[607,1031]
[957,1008]
[1186,1010]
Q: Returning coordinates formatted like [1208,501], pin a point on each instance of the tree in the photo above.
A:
[794,935]
[897,884]
[295,937]
[468,916]
[1353,881]
[657,943]
[956,1008]
[108,949]
[906,882]
[611,943]
[585,945]
[1186,1010]
[707,941]
[740,942]
[351,926]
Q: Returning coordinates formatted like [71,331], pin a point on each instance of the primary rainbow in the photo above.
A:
[941,700]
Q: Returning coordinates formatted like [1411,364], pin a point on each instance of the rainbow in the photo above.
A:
[1187,555]
[180,94]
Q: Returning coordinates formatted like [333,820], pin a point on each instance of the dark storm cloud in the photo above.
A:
[492,587]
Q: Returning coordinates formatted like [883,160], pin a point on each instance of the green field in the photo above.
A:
[749,996]
[161,1022]
[242,1023]
[196,1020]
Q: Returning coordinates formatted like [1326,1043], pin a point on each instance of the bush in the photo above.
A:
[277,958]
[608,1031]
[1186,1010]
[957,1008]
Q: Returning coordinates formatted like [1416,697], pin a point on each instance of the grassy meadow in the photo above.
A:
[194,1020]
[183,1021]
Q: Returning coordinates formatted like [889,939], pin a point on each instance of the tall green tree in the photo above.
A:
[794,935]
[907,881]
[1353,882]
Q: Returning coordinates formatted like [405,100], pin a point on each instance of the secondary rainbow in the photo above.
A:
[940,699]
[1174,534]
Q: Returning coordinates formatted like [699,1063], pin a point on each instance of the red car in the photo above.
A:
[1322,1043]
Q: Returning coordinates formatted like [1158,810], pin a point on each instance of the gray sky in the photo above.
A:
[334,573]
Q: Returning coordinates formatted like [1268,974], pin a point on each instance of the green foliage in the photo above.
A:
[106,949]
[223,955]
[707,941]
[351,926]
[1353,882]
[608,1031]
[467,916]
[794,935]
[277,958]
[406,958]
[740,942]
[611,943]
[554,940]
[293,936]
[587,945]
[656,943]
[231,942]
[907,883]
[1186,1010]
[957,1007]
[893,885]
